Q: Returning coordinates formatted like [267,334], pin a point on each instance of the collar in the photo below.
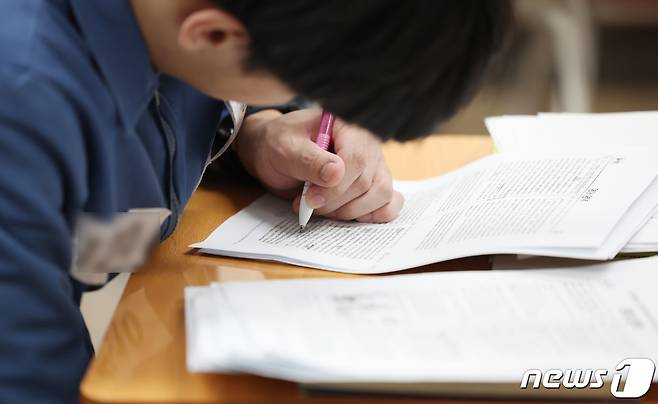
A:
[116,42]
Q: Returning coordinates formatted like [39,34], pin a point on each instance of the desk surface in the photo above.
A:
[142,358]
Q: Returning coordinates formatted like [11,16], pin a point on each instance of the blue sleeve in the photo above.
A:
[43,344]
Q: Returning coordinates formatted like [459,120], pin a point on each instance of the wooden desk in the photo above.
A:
[142,358]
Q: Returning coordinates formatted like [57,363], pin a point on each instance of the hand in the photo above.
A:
[352,184]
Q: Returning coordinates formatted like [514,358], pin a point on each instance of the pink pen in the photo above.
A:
[323,139]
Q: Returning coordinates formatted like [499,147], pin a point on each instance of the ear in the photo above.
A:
[209,28]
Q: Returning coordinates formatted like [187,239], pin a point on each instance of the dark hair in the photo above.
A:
[395,67]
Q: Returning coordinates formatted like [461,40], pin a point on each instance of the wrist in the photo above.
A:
[247,143]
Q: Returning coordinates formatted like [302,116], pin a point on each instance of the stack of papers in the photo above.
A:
[582,204]
[583,132]
[451,327]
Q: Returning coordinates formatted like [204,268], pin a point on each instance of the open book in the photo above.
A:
[584,205]
[603,132]
[456,333]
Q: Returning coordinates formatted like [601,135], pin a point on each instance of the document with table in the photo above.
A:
[577,205]
[603,132]
[400,332]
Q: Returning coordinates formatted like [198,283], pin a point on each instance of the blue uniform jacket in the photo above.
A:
[79,132]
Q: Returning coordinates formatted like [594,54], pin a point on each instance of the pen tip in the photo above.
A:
[301,228]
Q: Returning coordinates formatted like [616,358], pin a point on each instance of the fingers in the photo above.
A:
[361,154]
[380,193]
[300,158]
[340,195]
[379,204]
[387,212]
[384,214]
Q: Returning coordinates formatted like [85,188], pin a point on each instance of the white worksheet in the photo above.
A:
[580,206]
[604,132]
[473,326]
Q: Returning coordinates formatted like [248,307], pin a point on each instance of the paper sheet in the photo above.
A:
[476,326]
[582,132]
[579,206]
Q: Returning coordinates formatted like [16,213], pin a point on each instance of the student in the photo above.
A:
[107,106]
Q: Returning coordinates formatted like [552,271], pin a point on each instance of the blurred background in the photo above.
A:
[571,55]
[564,55]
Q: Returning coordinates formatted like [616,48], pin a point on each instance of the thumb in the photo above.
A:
[308,162]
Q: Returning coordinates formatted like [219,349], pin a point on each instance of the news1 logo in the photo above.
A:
[639,376]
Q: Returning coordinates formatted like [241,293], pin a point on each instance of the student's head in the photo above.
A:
[395,67]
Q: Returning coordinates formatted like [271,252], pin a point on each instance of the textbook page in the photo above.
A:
[475,326]
[602,132]
[580,206]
